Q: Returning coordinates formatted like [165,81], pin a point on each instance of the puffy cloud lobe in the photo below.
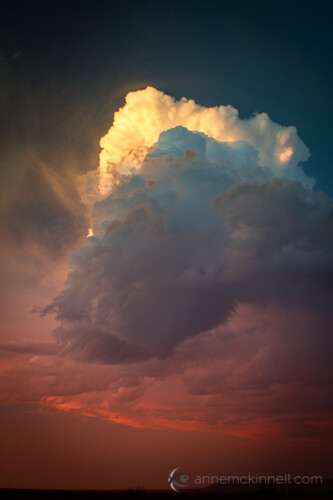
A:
[182,240]
[280,238]
[138,125]
[175,140]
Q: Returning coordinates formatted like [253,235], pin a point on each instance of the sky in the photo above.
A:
[166,241]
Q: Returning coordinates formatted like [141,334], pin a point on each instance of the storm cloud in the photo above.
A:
[187,228]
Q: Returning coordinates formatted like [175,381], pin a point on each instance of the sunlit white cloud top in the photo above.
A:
[149,112]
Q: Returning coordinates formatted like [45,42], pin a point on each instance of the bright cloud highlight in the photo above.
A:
[149,112]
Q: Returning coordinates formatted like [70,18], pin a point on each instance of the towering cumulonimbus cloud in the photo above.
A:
[199,211]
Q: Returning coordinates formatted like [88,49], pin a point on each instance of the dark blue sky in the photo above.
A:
[67,65]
